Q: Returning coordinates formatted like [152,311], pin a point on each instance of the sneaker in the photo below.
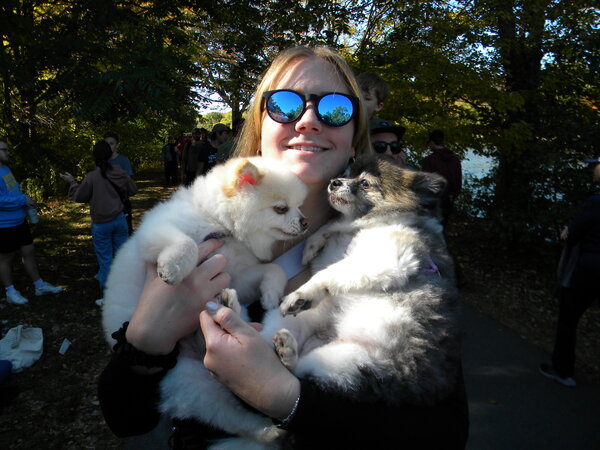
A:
[47,288]
[548,371]
[16,298]
[100,302]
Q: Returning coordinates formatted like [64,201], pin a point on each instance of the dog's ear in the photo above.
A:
[244,176]
[429,188]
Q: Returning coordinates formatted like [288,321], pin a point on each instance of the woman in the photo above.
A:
[105,188]
[316,151]
[583,232]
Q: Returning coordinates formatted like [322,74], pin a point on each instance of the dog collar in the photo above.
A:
[433,268]
[214,235]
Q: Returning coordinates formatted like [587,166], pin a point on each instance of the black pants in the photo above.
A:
[574,301]
[171,170]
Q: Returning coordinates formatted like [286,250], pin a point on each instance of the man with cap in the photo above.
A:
[580,290]
[191,156]
[385,139]
[15,234]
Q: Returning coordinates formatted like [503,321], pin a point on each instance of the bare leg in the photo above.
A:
[29,262]
[6,268]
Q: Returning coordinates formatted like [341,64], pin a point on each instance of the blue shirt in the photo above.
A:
[12,200]
[122,162]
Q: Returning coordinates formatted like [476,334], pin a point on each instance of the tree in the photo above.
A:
[517,81]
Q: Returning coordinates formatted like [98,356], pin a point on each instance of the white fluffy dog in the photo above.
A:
[248,203]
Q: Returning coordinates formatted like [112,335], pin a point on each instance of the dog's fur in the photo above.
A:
[250,203]
[378,319]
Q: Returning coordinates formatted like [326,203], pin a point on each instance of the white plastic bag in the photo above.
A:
[22,347]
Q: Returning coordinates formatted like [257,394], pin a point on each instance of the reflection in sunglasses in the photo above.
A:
[333,109]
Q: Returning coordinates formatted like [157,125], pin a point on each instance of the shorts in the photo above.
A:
[13,238]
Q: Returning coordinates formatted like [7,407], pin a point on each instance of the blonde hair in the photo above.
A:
[250,137]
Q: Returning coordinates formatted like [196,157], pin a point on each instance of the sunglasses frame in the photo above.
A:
[317,99]
[399,149]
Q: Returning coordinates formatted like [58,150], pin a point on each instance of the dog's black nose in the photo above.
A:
[334,184]
[304,223]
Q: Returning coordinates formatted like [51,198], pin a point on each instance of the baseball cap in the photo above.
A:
[383,126]
[220,127]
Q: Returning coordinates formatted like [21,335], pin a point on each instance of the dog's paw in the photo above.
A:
[170,273]
[229,298]
[294,303]
[286,348]
[177,261]
[314,245]
[270,300]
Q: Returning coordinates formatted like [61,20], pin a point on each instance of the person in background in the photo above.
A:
[374,92]
[581,290]
[386,139]
[123,162]
[191,156]
[227,148]
[444,162]
[105,188]
[169,158]
[316,149]
[220,134]
[15,234]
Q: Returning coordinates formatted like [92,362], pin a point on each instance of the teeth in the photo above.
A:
[307,149]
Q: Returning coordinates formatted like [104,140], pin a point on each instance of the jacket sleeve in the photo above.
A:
[11,201]
[582,222]
[328,420]
[81,193]
[128,400]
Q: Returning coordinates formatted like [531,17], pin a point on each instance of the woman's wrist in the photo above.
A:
[286,403]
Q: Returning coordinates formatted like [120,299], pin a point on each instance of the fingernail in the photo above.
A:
[212,307]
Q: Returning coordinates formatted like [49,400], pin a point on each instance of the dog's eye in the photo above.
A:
[364,184]
[281,209]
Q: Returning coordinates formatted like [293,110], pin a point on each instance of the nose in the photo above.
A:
[304,223]
[334,184]
[309,121]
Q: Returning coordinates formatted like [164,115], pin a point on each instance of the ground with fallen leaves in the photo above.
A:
[53,404]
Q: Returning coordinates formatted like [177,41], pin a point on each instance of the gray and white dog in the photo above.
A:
[379,316]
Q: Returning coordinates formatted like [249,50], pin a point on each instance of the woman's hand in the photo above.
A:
[243,361]
[67,177]
[166,313]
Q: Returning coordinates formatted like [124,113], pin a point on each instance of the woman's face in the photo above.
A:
[596,174]
[312,150]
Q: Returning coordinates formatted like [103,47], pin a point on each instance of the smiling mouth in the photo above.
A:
[306,148]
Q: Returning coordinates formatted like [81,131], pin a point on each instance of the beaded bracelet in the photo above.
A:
[285,422]
[134,357]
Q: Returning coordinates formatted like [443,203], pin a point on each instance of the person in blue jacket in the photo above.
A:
[583,235]
[15,234]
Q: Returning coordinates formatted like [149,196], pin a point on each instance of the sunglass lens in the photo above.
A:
[284,106]
[394,148]
[336,110]
[379,147]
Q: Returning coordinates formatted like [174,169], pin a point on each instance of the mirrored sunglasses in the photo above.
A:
[381,146]
[333,109]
